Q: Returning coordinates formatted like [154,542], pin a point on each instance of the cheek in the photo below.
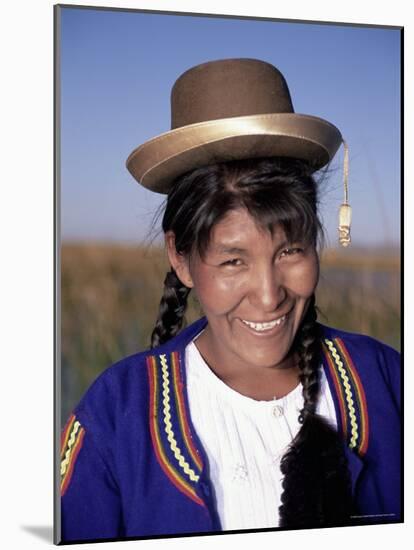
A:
[302,279]
[217,294]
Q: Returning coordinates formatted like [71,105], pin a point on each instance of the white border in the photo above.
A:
[27,265]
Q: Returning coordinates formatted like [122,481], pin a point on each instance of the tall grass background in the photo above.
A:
[110,295]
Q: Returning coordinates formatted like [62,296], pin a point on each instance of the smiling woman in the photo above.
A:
[255,416]
[253,286]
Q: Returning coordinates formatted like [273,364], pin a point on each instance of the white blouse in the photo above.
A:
[244,440]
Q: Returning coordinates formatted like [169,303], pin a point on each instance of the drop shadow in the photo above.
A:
[44,532]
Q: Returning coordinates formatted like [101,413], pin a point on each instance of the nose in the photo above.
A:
[267,291]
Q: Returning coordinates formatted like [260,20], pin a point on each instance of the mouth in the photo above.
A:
[265,326]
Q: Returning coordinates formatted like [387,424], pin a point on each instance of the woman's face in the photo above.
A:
[254,289]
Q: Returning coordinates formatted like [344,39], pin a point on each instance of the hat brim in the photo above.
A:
[156,163]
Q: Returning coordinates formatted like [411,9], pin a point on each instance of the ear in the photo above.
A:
[178,261]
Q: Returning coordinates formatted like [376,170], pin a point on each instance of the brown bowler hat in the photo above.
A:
[231,109]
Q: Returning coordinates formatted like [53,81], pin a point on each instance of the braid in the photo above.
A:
[308,347]
[171,311]
[316,485]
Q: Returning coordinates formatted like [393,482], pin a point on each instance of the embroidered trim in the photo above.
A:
[71,444]
[182,415]
[65,435]
[167,422]
[339,392]
[348,393]
[175,477]
[351,395]
[360,397]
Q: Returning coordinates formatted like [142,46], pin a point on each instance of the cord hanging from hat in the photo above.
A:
[345,211]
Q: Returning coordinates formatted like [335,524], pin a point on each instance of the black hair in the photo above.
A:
[277,192]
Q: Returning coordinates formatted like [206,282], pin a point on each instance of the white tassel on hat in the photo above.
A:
[345,211]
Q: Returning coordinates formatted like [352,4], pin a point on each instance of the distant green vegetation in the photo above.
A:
[110,296]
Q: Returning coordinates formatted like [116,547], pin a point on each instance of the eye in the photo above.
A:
[235,262]
[291,251]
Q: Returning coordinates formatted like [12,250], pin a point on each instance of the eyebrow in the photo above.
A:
[229,249]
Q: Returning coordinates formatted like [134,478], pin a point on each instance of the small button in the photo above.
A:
[240,472]
[277,411]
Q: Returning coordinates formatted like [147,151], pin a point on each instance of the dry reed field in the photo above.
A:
[110,296]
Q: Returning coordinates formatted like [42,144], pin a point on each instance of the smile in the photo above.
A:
[262,327]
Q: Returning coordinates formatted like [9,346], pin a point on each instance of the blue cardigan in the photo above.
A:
[133,465]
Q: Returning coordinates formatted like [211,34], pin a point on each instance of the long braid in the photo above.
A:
[316,485]
[171,310]
[309,350]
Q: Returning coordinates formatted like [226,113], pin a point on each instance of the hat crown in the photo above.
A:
[228,88]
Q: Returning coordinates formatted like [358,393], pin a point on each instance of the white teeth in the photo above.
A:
[260,327]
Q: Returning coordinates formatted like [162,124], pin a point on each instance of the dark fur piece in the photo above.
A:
[317,490]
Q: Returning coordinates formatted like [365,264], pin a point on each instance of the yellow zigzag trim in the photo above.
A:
[167,421]
[65,461]
[348,392]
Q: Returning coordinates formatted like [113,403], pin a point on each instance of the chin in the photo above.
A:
[263,360]
[266,354]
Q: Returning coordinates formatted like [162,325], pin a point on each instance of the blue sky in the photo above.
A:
[117,69]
